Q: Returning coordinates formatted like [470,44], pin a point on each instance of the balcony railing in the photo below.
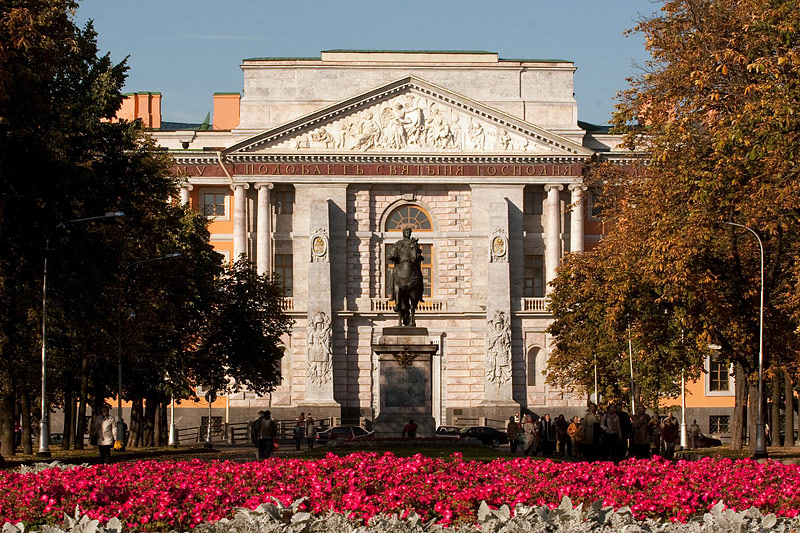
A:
[534,305]
[429,305]
[287,303]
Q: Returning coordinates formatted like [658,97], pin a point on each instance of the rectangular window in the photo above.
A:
[216,426]
[283,267]
[426,266]
[718,376]
[719,424]
[533,276]
[532,200]
[214,204]
[595,209]
[284,202]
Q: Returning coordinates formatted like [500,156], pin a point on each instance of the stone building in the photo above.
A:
[316,168]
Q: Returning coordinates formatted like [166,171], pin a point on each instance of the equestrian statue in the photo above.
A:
[407,285]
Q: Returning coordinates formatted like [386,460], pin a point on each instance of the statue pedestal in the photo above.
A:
[404,359]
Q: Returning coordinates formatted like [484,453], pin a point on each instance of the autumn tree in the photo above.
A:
[715,112]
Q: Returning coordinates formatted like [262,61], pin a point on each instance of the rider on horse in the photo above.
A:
[407,286]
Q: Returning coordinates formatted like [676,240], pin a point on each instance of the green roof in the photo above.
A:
[357,51]
[282,59]
[536,60]
[593,128]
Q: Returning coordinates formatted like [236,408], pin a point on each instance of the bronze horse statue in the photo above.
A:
[407,285]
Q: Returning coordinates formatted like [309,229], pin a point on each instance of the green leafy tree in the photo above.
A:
[241,345]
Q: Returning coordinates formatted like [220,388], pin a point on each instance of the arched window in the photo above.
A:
[411,216]
[533,352]
[408,216]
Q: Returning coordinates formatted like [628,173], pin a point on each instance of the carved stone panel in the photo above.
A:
[410,122]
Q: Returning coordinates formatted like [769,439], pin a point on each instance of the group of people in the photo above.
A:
[305,428]
[612,435]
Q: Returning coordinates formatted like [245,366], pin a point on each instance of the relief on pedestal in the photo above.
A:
[411,122]
[498,247]
[319,245]
[498,349]
[319,356]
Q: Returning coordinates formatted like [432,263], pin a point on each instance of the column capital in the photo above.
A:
[556,186]
[577,187]
[263,185]
[186,185]
[244,186]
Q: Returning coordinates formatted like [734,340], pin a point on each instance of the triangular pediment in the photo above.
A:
[408,117]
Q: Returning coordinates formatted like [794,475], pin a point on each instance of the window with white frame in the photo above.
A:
[215,204]
[718,377]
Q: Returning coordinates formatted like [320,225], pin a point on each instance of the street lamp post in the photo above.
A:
[761,435]
[120,421]
[684,428]
[44,423]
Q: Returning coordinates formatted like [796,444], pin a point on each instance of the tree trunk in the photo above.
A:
[157,434]
[149,421]
[164,425]
[6,414]
[789,393]
[740,409]
[73,421]
[81,431]
[752,416]
[775,424]
[68,407]
[25,405]
[136,423]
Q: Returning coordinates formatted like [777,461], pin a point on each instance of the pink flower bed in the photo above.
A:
[156,495]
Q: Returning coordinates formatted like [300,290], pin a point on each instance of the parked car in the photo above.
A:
[487,435]
[344,433]
[56,438]
[447,432]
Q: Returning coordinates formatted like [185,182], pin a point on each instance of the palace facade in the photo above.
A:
[315,168]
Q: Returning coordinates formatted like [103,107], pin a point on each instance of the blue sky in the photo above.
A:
[187,50]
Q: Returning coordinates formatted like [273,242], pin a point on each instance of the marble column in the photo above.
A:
[552,232]
[239,220]
[264,230]
[576,236]
[186,188]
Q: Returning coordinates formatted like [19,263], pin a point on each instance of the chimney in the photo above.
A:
[143,105]
[226,110]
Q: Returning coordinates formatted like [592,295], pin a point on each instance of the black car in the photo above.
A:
[487,435]
[344,433]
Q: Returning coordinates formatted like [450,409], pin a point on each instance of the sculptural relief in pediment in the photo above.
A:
[408,123]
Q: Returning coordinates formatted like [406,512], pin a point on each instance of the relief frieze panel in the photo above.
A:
[411,123]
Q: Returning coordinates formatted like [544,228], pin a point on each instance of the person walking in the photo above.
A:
[512,430]
[561,435]
[311,431]
[694,434]
[669,433]
[612,434]
[547,434]
[641,436]
[299,430]
[591,433]
[410,430]
[106,428]
[266,429]
[575,431]
[531,436]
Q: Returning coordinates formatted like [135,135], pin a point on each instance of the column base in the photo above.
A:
[44,454]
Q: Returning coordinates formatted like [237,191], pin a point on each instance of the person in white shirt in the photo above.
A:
[107,433]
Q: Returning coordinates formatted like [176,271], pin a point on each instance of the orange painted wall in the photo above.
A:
[142,105]
[226,110]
